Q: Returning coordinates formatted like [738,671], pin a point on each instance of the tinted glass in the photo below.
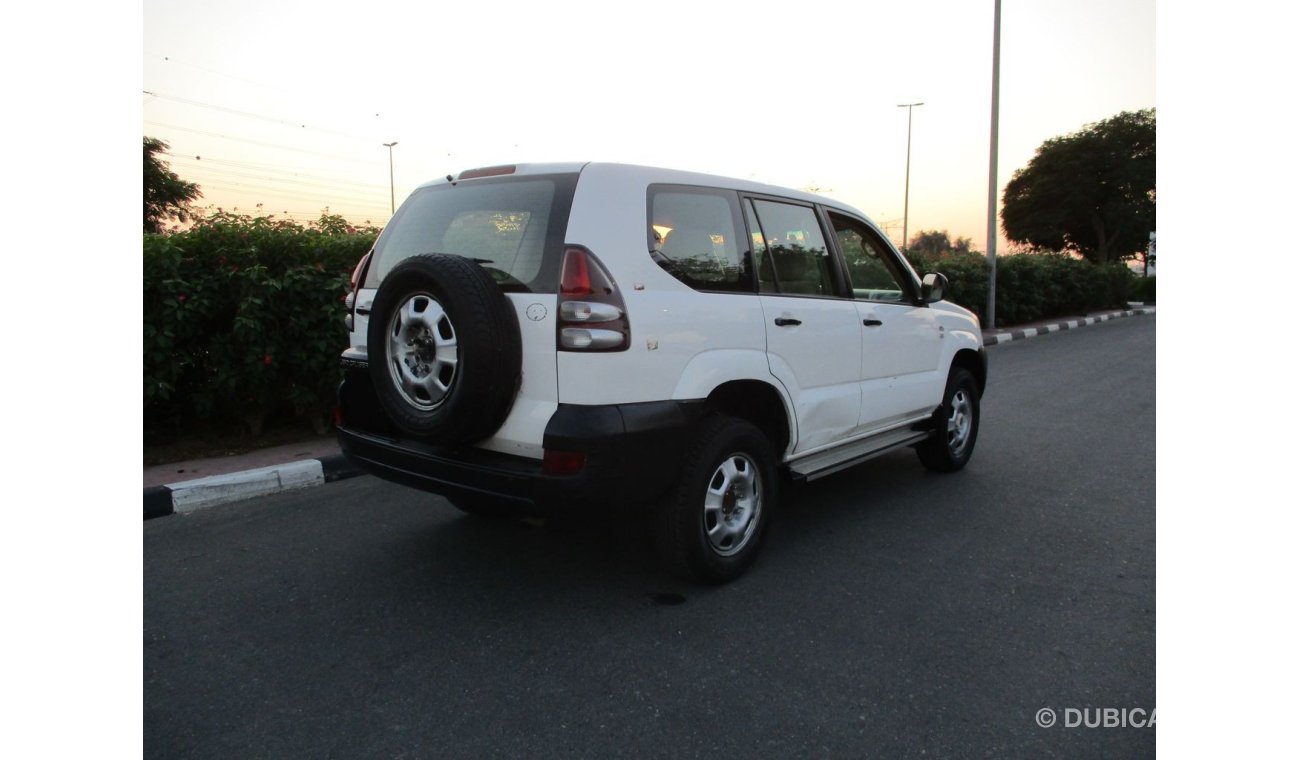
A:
[514,227]
[694,234]
[799,256]
[762,257]
[872,270]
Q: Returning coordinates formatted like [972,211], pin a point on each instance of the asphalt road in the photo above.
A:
[893,613]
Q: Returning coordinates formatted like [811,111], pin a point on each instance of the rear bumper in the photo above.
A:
[451,473]
[632,456]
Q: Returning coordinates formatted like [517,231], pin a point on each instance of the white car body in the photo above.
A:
[839,383]
[682,341]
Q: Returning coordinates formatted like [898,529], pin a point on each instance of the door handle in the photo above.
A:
[872,323]
[787,322]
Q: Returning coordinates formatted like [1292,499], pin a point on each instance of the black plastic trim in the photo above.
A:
[632,456]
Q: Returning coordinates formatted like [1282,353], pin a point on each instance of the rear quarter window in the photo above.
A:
[696,235]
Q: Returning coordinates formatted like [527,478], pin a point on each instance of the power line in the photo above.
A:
[169,59]
[260,117]
[274,88]
[264,144]
[263,208]
[199,166]
[321,192]
[223,183]
[240,188]
[292,171]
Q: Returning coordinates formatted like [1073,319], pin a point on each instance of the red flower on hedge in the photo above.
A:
[266,359]
[180,298]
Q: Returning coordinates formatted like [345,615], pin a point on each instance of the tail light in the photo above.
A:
[592,314]
[350,300]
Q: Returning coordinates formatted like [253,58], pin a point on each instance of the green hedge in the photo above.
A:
[243,321]
[1144,289]
[1030,287]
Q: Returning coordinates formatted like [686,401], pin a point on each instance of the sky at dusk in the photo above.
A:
[800,94]
[288,104]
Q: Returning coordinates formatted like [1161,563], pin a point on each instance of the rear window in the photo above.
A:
[514,226]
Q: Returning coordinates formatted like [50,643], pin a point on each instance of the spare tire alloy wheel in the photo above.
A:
[422,351]
[445,352]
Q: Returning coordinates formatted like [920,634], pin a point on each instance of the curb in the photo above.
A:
[993,338]
[189,495]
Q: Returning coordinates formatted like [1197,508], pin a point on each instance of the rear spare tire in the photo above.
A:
[444,349]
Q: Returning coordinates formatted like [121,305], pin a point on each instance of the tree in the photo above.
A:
[935,242]
[1092,192]
[166,196]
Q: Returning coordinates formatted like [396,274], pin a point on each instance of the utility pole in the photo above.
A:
[907,182]
[392,198]
[993,169]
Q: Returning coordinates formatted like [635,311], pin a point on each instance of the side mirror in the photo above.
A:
[933,287]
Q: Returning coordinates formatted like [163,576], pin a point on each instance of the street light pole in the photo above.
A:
[392,198]
[907,181]
[993,170]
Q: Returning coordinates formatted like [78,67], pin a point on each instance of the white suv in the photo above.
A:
[554,337]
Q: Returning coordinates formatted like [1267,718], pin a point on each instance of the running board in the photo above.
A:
[850,454]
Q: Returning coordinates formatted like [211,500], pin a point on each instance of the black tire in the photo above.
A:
[684,522]
[447,367]
[957,424]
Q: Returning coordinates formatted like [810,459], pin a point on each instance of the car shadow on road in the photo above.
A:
[613,553]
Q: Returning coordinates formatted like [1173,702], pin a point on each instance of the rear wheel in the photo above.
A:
[958,423]
[713,524]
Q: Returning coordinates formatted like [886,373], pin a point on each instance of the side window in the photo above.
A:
[796,259]
[873,272]
[762,257]
[695,235]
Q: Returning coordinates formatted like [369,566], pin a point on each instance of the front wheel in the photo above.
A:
[958,423]
[711,527]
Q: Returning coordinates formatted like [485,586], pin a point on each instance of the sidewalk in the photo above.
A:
[200,483]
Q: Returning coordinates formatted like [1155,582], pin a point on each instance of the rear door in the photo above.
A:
[513,226]
[814,341]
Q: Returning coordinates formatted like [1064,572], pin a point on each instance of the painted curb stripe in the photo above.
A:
[236,486]
[157,502]
[1072,324]
[190,495]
